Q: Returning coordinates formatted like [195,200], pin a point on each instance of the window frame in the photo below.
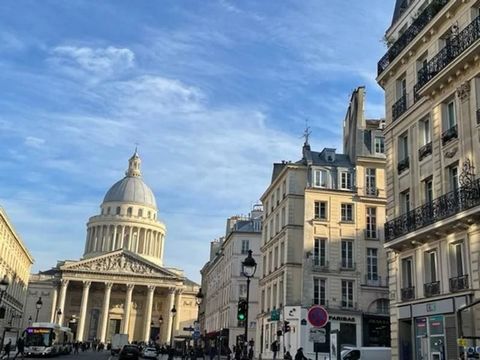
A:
[319,291]
[319,246]
[372,264]
[348,297]
[317,214]
[347,254]
[346,212]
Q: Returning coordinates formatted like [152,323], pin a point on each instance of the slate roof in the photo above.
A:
[400,7]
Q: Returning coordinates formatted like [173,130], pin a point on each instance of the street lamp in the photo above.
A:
[38,305]
[198,300]
[174,312]
[249,266]
[59,313]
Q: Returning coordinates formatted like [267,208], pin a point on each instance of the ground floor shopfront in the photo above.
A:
[428,330]
[345,328]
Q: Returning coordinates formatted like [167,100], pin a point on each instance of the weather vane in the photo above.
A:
[307,132]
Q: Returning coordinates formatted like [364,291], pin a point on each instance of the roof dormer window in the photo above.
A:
[320,178]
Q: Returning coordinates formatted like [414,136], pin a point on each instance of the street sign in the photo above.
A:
[462,342]
[275,315]
[196,335]
[317,316]
[189,328]
[318,335]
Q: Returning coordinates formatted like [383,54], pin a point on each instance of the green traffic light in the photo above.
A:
[241,317]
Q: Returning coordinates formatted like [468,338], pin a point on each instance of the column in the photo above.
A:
[61,303]
[126,309]
[105,311]
[54,305]
[114,241]
[122,236]
[87,243]
[170,319]
[148,313]
[83,310]
[178,294]
[130,238]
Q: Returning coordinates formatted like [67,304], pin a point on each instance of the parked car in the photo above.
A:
[149,353]
[370,353]
[129,352]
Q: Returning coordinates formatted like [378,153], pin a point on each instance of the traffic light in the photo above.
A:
[279,332]
[286,326]
[242,310]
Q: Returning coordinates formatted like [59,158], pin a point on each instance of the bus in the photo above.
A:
[47,339]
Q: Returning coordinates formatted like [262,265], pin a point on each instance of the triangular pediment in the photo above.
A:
[120,262]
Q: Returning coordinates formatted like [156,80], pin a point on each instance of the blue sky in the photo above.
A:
[214,91]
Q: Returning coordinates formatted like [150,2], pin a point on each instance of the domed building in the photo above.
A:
[120,284]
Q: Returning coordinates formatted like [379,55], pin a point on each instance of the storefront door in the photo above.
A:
[430,337]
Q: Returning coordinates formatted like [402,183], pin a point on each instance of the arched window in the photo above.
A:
[108,210]
[149,214]
[118,210]
[129,211]
[140,212]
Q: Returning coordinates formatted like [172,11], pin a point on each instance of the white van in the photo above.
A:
[370,353]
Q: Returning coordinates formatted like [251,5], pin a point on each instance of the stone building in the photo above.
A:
[223,283]
[323,242]
[120,284]
[15,264]
[430,75]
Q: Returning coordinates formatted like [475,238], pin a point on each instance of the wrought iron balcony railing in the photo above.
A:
[399,107]
[431,289]
[319,263]
[450,134]
[403,165]
[424,151]
[459,283]
[412,31]
[440,208]
[408,293]
[455,46]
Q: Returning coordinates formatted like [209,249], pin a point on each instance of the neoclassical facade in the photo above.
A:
[120,284]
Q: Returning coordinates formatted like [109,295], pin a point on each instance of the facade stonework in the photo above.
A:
[120,285]
[430,75]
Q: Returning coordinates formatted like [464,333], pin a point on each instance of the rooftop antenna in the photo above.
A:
[307,132]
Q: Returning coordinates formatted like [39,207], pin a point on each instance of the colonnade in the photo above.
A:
[59,304]
[140,240]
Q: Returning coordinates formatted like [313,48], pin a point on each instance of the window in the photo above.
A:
[346,180]
[118,210]
[383,306]
[265,265]
[140,213]
[430,267]
[401,87]
[379,145]
[282,253]
[347,212]
[371,223]
[405,202]
[453,178]
[319,291]
[284,218]
[428,186]
[422,62]
[347,294]
[278,196]
[320,252]
[284,188]
[403,147]
[108,210]
[371,181]
[270,262]
[347,254]
[129,211]
[450,116]
[245,246]
[425,134]
[275,257]
[372,264]
[265,233]
[320,178]
[456,259]
[274,296]
[320,210]
[407,273]
[280,293]
[277,221]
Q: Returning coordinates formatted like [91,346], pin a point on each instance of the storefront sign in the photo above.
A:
[342,318]
[431,307]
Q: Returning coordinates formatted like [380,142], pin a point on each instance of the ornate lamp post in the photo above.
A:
[198,300]
[249,266]
[173,312]
[38,305]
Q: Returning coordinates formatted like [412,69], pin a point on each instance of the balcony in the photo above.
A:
[431,289]
[443,207]
[450,134]
[374,281]
[399,107]
[424,151]
[459,283]
[371,191]
[319,264]
[409,35]
[403,165]
[347,265]
[455,47]
[408,293]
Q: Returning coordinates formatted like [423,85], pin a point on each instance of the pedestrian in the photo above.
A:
[238,353]
[287,356]
[299,355]
[250,353]
[20,348]
[7,348]
[274,349]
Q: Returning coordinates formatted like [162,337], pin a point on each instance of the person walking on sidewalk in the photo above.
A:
[20,348]
[7,348]
[299,355]
[274,349]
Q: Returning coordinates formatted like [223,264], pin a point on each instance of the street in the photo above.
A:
[90,355]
